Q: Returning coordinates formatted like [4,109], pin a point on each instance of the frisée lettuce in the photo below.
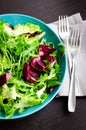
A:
[29,67]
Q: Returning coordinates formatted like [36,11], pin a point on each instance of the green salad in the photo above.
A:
[29,67]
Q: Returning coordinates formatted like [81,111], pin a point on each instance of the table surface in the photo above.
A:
[55,115]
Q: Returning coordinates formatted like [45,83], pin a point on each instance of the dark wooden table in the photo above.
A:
[55,115]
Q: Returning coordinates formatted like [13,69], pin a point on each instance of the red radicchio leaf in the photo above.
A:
[45,49]
[30,74]
[4,78]
[37,64]
[51,59]
[41,63]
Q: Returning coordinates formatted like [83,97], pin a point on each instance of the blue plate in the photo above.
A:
[14,19]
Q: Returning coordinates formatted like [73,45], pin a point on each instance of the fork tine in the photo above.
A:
[71,39]
[78,38]
[59,24]
[74,37]
[65,23]
[62,22]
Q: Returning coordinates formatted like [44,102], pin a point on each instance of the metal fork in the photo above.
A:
[64,33]
[74,47]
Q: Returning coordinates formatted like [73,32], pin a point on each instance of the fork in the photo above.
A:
[64,33]
[74,47]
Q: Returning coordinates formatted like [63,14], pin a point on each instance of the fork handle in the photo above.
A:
[69,56]
[72,96]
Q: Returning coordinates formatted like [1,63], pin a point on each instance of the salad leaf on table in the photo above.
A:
[28,65]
